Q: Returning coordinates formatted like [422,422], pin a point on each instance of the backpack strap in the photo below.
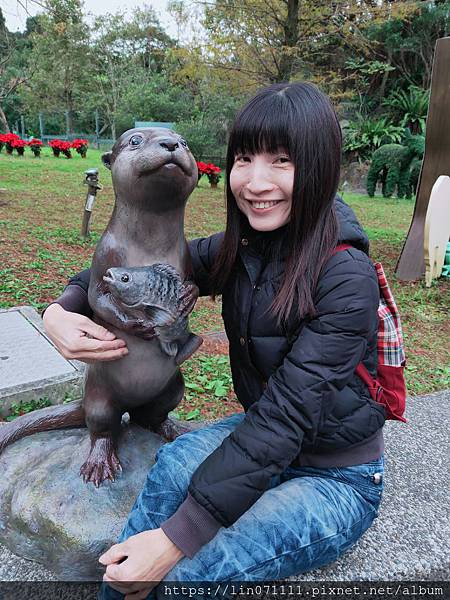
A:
[372,383]
[361,370]
[341,247]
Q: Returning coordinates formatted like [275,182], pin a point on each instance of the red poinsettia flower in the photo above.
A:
[211,170]
[10,137]
[79,142]
[18,143]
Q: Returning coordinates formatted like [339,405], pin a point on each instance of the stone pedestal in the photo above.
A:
[48,514]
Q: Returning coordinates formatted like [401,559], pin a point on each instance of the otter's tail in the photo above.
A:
[60,416]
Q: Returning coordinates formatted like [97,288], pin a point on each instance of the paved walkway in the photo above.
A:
[410,538]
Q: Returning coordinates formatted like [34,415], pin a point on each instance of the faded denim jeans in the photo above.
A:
[307,518]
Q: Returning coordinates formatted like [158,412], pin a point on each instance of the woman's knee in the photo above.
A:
[188,451]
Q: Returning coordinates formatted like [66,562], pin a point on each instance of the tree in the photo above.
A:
[267,41]
[408,44]
[15,70]
[127,57]
[61,52]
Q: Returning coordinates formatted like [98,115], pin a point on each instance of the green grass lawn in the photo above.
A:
[40,218]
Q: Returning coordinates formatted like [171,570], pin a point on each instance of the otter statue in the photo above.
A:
[140,290]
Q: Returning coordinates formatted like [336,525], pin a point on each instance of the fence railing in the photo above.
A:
[94,141]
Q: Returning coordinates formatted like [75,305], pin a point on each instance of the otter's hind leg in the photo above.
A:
[154,414]
[103,419]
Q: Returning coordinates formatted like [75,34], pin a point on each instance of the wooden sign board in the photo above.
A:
[436,162]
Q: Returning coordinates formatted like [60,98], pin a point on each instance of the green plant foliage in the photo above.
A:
[408,43]
[213,375]
[21,408]
[366,134]
[367,67]
[410,107]
[209,372]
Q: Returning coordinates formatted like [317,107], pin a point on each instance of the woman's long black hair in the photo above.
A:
[299,119]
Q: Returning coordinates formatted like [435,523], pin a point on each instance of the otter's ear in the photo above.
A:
[106,159]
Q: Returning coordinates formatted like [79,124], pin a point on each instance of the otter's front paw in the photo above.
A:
[101,464]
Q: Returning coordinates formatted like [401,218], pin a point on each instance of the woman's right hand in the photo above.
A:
[77,337]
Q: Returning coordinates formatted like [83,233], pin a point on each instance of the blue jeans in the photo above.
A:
[307,518]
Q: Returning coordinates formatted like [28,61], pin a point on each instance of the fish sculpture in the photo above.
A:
[152,294]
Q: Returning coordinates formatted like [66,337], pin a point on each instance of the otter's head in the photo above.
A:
[152,166]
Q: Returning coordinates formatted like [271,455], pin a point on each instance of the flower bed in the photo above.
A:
[12,142]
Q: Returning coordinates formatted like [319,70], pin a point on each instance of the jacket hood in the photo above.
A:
[350,230]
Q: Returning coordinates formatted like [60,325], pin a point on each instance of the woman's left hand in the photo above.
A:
[149,556]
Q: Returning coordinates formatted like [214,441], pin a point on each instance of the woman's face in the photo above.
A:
[262,186]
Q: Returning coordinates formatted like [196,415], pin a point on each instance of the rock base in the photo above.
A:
[48,514]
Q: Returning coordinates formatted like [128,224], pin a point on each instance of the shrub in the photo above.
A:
[7,139]
[19,146]
[411,107]
[366,134]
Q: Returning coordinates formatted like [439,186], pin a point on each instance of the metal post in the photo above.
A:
[91,181]
[41,124]
[22,125]
[66,114]
[97,129]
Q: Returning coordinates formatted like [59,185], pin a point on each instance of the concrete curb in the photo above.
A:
[56,383]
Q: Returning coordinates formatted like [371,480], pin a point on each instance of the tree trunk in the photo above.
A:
[3,122]
[70,110]
[385,78]
[290,41]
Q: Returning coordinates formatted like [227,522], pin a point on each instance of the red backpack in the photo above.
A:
[388,387]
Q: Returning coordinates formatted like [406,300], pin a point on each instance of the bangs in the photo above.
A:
[264,125]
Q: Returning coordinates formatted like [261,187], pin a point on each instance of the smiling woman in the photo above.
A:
[284,147]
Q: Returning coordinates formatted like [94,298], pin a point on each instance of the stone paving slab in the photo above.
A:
[410,538]
[30,365]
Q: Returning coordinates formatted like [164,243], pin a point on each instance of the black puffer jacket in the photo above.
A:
[313,404]
[305,405]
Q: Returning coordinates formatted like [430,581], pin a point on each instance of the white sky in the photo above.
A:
[16,15]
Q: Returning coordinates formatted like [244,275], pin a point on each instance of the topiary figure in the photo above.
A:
[391,165]
[414,173]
